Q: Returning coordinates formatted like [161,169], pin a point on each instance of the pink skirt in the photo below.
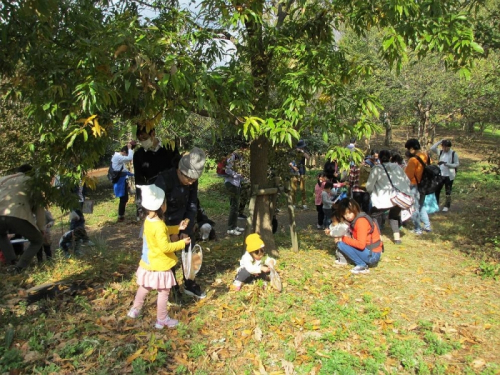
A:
[155,279]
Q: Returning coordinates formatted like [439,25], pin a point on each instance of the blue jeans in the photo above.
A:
[420,213]
[327,217]
[358,257]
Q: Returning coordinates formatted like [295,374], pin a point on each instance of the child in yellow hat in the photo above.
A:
[254,264]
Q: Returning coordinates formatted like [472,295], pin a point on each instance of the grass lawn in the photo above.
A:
[432,306]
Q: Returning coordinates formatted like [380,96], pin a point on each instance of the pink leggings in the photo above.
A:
[161,303]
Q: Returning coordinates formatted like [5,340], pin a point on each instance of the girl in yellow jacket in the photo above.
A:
[158,257]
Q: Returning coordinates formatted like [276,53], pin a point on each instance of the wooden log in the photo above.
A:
[268,191]
[293,226]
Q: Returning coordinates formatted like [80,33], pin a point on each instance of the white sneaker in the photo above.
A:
[233,232]
[445,209]
[242,230]
[304,207]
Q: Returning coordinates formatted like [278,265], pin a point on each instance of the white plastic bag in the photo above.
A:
[191,261]
[275,279]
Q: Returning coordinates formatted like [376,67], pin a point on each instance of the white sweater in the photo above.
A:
[452,163]
[380,188]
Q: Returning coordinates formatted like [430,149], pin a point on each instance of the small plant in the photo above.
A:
[181,370]
[197,350]
[489,270]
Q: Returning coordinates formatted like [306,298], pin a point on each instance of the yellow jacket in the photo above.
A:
[158,253]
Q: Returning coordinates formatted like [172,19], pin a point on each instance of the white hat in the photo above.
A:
[205,231]
[152,197]
[192,164]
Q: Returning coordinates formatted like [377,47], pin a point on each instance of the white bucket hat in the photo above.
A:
[152,197]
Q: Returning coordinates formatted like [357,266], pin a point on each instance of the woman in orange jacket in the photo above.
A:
[365,247]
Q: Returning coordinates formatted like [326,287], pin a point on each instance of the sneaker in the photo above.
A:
[242,230]
[169,322]
[193,289]
[304,207]
[133,313]
[237,285]
[360,269]
[428,230]
[233,232]
[397,242]
[340,263]
[319,226]
[445,209]
[417,232]
[241,216]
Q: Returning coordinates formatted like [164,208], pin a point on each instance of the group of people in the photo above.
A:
[371,200]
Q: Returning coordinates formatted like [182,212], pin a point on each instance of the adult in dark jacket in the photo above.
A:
[181,192]
[331,170]
[150,159]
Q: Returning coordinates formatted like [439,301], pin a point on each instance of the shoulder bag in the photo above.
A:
[398,198]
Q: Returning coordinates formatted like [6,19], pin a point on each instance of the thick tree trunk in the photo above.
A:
[262,219]
[470,127]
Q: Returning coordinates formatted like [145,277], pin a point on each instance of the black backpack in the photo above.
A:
[431,177]
[113,175]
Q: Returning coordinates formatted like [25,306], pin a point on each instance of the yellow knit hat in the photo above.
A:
[253,242]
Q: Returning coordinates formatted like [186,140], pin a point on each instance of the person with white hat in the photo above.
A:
[181,191]
[158,257]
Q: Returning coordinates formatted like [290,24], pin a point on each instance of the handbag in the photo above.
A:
[399,198]
[113,175]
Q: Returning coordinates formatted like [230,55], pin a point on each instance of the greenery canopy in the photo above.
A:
[81,69]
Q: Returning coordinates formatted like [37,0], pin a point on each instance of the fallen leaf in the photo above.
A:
[258,333]
[131,358]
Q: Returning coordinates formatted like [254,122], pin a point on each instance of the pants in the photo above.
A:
[420,214]
[321,215]
[448,184]
[246,277]
[47,250]
[25,229]
[363,199]
[358,257]
[394,217]
[123,203]
[234,204]
[300,182]
[245,191]
[327,217]
[161,303]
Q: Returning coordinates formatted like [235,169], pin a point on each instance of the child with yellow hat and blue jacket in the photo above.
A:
[254,264]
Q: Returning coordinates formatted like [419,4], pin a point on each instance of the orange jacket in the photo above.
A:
[415,169]
[361,236]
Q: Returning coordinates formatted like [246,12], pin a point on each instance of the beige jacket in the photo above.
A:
[15,202]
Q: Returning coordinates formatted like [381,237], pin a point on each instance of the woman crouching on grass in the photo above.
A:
[365,248]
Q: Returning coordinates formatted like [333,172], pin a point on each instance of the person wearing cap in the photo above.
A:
[448,163]
[254,264]
[298,171]
[158,257]
[150,159]
[181,191]
[118,163]
[232,182]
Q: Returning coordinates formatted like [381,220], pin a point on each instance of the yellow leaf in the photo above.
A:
[131,358]
[246,332]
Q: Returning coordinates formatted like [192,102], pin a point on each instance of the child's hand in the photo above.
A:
[264,269]
[183,224]
[187,240]
[327,232]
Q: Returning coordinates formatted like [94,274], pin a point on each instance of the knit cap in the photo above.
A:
[192,164]
[152,197]
[253,242]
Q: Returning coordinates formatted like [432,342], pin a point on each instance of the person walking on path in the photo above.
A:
[414,170]
[158,258]
[318,189]
[118,163]
[22,214]
[232,182]
[181,191]
[381,189]
[448,163]
[298,170]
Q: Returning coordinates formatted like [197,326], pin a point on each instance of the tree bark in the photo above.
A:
[388,129]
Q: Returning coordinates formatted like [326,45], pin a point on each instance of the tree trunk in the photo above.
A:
[470,127]
[388,130]
[262,217]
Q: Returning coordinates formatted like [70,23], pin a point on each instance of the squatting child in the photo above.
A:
[158,257]
[254,264]
[73,239]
